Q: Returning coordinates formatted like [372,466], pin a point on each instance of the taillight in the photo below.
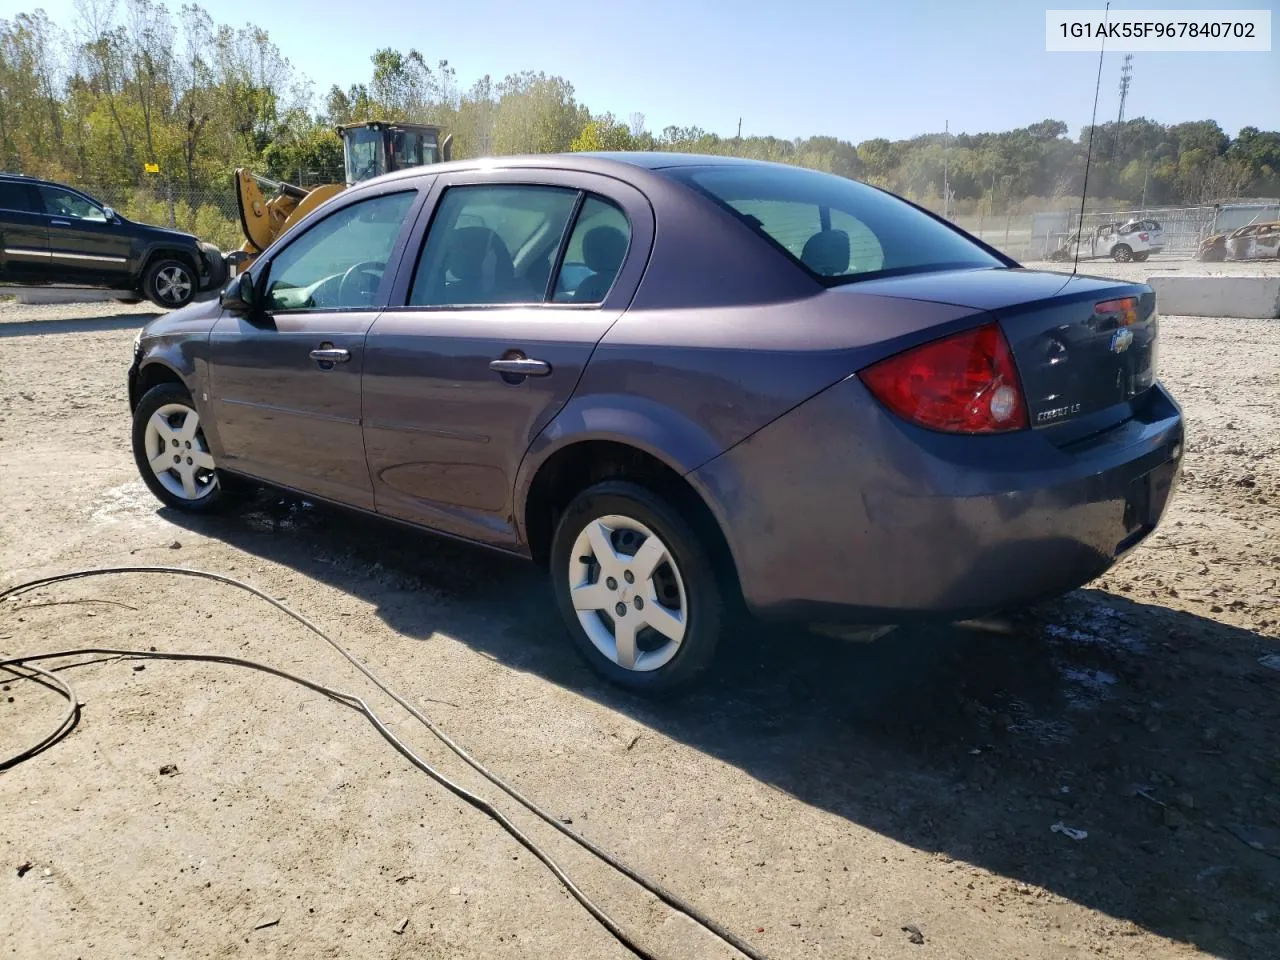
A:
[1143,236]
[1125,310]
[966,383]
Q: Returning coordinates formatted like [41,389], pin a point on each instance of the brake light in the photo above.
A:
[1125,310]
[1143,236]
[966,383]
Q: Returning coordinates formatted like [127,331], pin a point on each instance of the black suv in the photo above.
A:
[54,236]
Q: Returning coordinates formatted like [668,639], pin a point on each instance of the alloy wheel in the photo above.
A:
[173,284]
[628,593]
[178,454]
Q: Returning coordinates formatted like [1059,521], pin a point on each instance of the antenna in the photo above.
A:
[1088,155]
[1126,77]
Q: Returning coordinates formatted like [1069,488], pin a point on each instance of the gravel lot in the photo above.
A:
[816,797]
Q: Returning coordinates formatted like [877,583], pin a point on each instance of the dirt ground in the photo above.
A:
[816,797]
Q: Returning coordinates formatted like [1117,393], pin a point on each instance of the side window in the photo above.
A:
[492,245]
[64,203]
[339,262]
[595,253]
[15,196]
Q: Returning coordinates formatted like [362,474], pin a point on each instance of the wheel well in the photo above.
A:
[164,254]
[572,469]
[152,375]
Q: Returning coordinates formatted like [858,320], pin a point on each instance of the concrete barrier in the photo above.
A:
[1240,297]
[44,295]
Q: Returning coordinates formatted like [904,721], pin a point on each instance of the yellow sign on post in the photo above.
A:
[151,167]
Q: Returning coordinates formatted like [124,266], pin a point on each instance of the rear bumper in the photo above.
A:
[840,512]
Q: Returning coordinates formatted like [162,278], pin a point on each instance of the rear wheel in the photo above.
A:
[1122,253]
[169,283]
[172,454]
[1140,257]
[636,587]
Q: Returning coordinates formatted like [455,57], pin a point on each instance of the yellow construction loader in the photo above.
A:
[369,150]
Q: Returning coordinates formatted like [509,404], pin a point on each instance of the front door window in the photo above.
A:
[338,264]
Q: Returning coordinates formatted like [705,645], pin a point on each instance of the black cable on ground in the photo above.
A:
[65,726]
[666,896]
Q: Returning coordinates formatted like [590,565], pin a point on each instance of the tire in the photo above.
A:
[1122,253]
[1140,257]
[169,283]
[682,590]
[171,403]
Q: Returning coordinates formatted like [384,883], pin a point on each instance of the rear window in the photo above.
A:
[838,230]
[15,196]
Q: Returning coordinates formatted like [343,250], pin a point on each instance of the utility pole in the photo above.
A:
[739,128]
[1126,77]
[946,182]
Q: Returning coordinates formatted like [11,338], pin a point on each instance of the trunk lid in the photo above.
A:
[1077,364]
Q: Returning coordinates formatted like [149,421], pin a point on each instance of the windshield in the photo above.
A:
[839,230]
[364,154]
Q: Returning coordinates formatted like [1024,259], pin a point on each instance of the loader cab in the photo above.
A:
[374,148]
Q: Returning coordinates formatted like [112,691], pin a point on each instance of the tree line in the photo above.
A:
[134,86]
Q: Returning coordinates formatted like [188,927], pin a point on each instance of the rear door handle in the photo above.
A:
[330,355]
[521,367]
[60,223]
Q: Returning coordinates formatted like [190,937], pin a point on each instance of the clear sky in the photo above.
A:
[848,68]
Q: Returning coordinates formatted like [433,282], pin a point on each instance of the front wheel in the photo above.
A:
[169,283]
[172,454]
[1122,253]
[636,587]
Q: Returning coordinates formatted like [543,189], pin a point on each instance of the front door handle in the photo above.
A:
[60,223]
[521,367]
[328,356]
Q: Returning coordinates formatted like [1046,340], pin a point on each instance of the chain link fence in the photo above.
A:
[211,214]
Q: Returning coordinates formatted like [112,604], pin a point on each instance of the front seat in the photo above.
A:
[827,253]
[481,266]
[602,251]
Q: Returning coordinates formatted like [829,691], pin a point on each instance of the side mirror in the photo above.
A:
[110,214]
[239,296]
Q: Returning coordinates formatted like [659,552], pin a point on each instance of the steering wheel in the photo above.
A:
[368,268]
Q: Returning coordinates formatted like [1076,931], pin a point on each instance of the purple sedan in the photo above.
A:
[688,385]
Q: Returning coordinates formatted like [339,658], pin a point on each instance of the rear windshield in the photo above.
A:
[839,230]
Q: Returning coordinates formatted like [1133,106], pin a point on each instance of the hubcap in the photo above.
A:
[173,284]
[628,593]
[177,452]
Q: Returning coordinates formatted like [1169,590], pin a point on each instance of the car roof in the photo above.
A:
[623,165]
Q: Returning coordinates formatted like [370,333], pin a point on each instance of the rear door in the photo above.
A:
[84,246]
[500,307]
[284,384]
[24,235]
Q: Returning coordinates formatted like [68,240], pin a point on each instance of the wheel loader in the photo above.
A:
[369,150]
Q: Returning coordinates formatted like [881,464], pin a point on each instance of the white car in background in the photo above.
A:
[1154,233]
[1112,240]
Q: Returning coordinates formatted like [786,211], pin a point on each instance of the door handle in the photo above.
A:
[60,223]
[330,355]
[521,367]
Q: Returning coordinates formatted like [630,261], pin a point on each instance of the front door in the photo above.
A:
[285,382]
[85,247]
[514,286]
[24,235]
